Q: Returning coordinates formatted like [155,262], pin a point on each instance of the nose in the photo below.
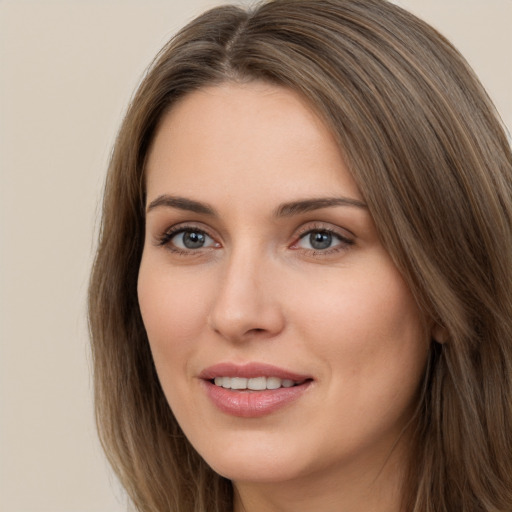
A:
[247,304]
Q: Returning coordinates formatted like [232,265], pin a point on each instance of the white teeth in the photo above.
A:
[273,383]
[254,383]
[238,383]
[257,383]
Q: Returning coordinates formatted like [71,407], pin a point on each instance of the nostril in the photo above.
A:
[256,331]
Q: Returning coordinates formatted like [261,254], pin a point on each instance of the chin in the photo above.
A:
[259,462]
[259,471]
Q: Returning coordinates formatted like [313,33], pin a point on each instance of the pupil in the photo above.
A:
[193,240]
[320,240]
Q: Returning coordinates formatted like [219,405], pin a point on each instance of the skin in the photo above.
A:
[259,291]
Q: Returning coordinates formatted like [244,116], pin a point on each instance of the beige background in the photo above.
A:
[67,70]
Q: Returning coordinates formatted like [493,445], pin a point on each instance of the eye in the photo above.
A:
[322,240]
[187,239]
[191,240]
[318,240]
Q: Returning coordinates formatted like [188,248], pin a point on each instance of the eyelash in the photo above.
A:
[164,240]
[345,242]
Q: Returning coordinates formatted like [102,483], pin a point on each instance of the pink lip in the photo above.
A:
[252,404]
[250,370]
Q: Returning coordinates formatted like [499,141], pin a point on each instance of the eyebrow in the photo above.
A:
[284,210]
[307,205]
[181,203]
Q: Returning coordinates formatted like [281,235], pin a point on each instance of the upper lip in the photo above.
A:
[250,370]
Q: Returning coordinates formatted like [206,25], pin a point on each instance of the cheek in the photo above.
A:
[174,311]
[366,325]
[367,331]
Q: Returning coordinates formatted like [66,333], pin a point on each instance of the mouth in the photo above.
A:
[252,390]
[254,383]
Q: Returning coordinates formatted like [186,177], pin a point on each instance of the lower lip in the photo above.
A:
[253,404]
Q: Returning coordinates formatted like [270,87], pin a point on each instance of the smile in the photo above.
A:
[252,390]
[254,384]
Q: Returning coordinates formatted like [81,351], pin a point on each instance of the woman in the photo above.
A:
[302,294]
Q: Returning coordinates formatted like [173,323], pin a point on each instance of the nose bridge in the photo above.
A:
[246,303]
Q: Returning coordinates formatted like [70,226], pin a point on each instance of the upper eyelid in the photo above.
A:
[325,226]
[178,228]
[341,238]
[188,226]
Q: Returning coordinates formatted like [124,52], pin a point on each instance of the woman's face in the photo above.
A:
[285,340]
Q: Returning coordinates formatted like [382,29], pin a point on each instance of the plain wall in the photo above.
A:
[67,71]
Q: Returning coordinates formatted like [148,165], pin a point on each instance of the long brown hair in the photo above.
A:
[431,158]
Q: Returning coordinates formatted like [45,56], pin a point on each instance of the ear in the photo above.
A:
[439,333]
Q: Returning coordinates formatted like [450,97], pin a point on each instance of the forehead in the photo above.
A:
[249,137]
